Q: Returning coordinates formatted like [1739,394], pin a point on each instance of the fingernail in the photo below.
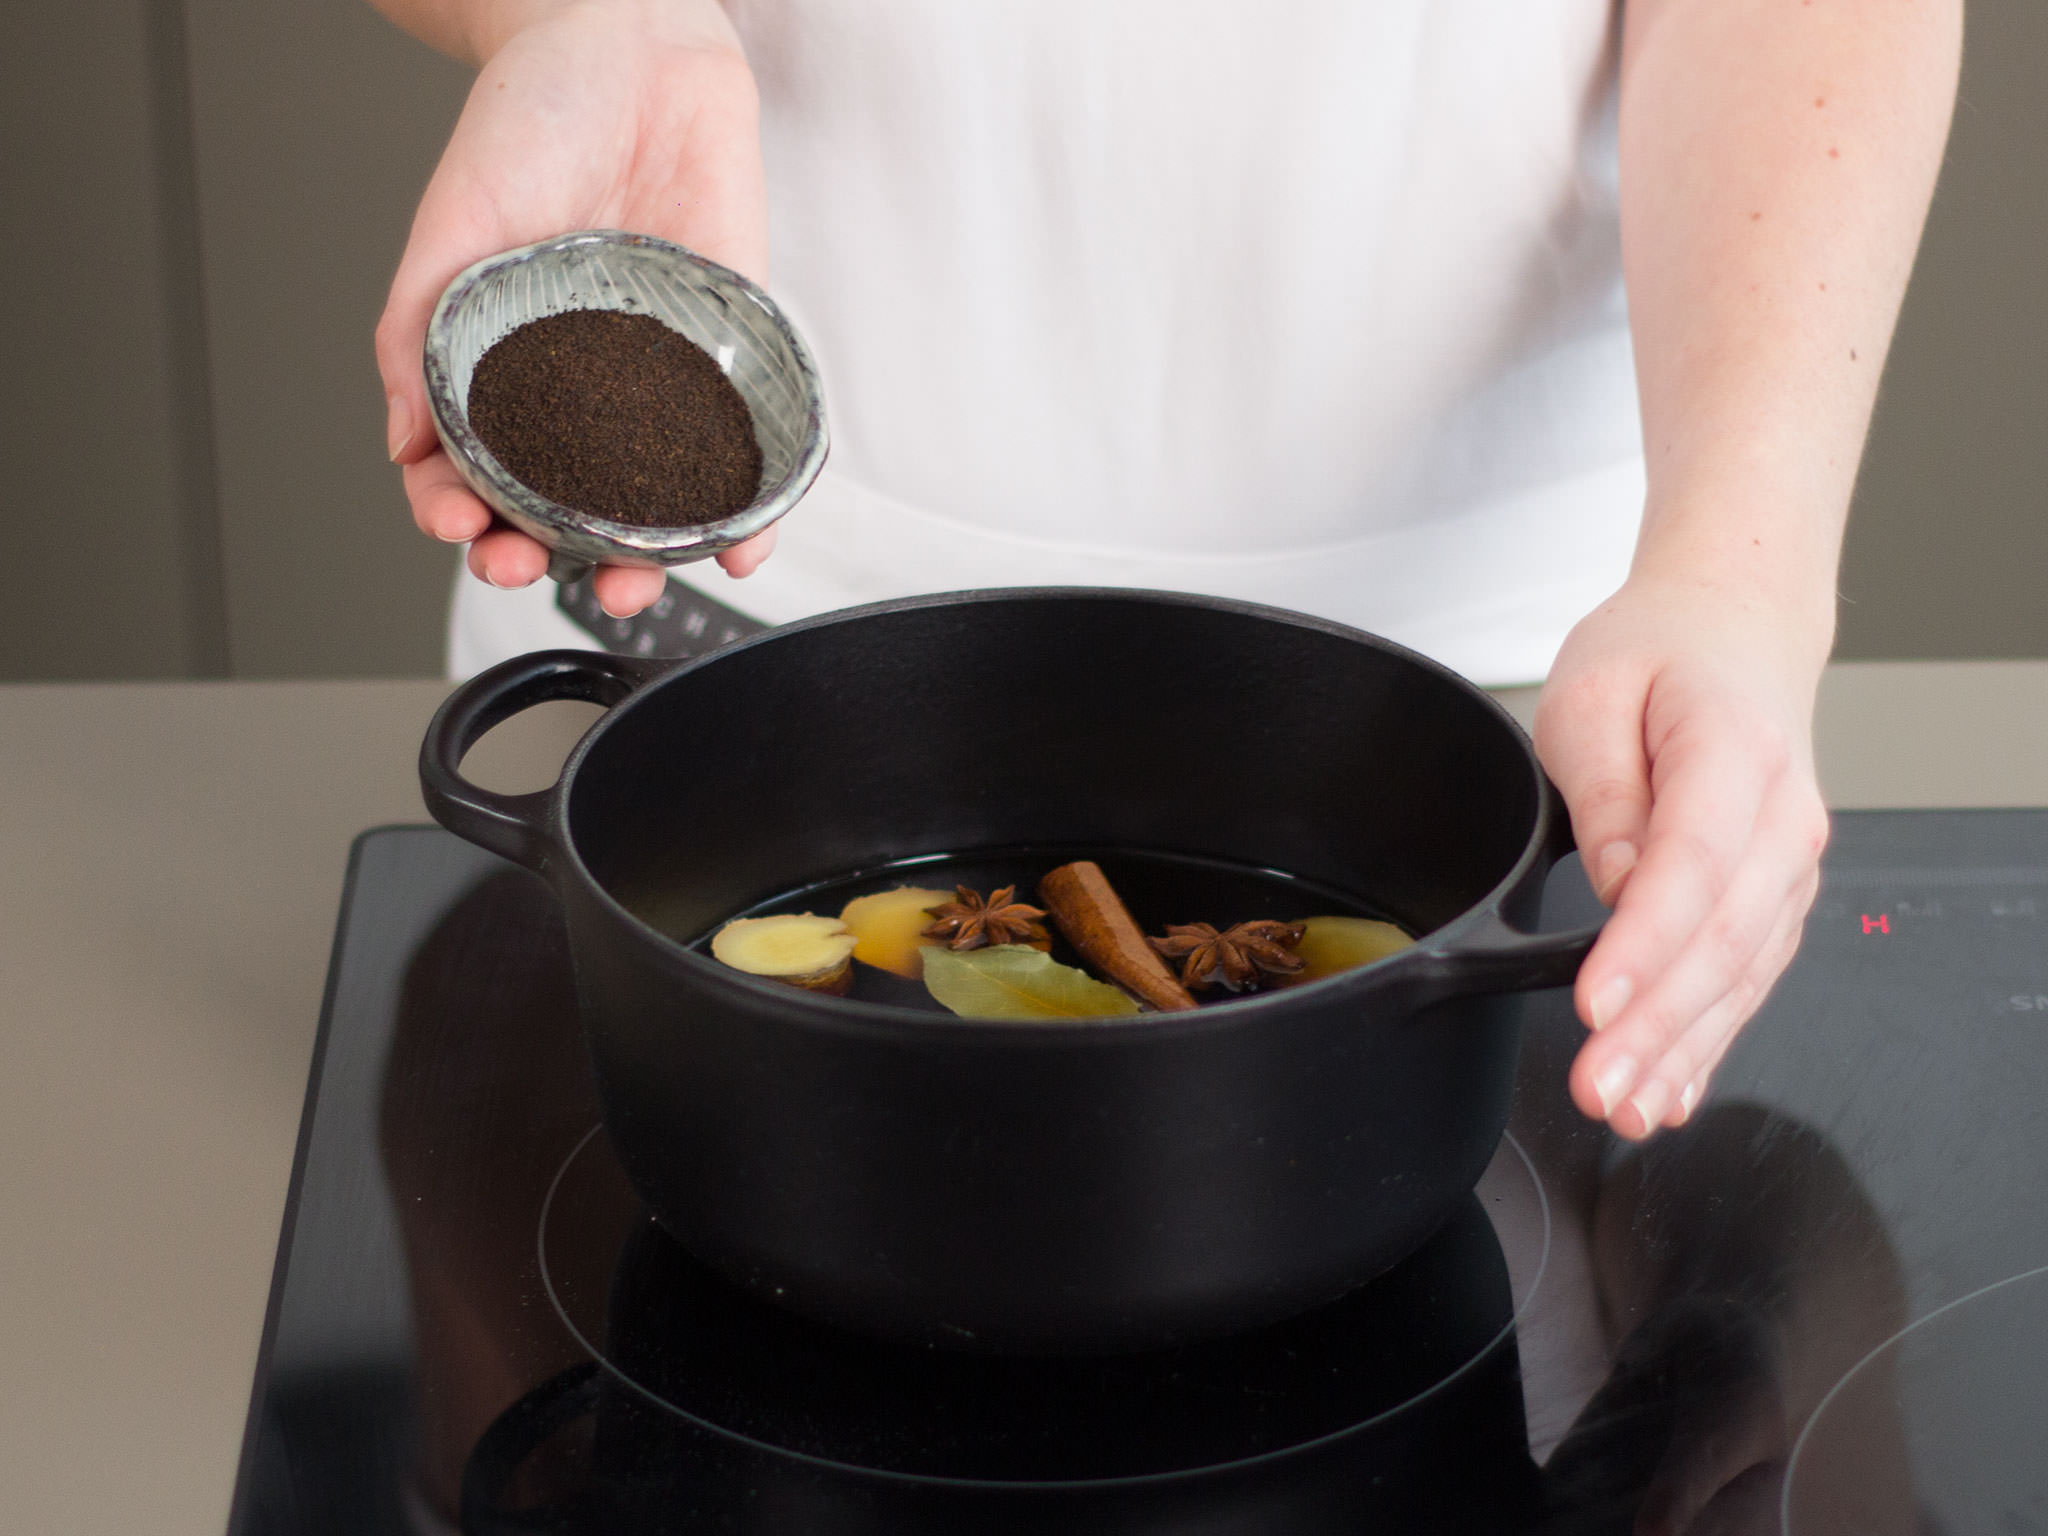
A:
[398,425]
[1652,1103]
[1612,997]
[1689,1100]
[1613,1081]
[1610,864]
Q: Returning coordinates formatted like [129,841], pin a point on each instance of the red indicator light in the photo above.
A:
[1882,923]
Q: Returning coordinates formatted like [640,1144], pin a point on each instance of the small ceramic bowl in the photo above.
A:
[730,318]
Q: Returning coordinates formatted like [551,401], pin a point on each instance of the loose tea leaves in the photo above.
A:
[618,416]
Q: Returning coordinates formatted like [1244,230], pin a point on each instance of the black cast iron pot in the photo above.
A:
[1050,1188]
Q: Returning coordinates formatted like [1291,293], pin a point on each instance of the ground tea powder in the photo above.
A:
[618,416]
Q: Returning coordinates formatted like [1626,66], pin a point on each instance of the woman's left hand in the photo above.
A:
[1776,164]
[1678,723]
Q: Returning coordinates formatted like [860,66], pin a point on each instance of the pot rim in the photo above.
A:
[862,1017]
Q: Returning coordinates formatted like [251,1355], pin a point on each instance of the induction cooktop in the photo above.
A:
[1821,1307]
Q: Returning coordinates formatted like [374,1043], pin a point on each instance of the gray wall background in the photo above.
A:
[201,202]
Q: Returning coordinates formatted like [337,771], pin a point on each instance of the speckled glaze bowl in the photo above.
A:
[719,310]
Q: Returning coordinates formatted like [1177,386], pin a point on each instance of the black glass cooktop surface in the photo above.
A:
[1822,1307]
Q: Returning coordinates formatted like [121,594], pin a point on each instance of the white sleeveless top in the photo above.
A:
[1313,302]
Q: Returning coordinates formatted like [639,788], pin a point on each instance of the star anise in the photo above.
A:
[1238,957]
[968,922]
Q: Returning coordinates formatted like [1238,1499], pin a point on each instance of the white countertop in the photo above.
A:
[171,858]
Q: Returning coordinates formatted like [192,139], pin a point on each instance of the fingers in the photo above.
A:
[448,510]
[442,506]
[401,338]
[408,428]
[623,590]
[1687,1067]
[1677,729]
[745,559]
[452,227]
[505,557]
[1710,987]
[1706,806]
[1592,746]
[1734,835]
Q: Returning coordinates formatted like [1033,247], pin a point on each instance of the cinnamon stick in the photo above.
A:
[1095,921]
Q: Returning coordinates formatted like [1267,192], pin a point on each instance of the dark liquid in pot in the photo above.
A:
[1158,888]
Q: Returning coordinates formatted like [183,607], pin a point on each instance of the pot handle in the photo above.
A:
[514,826]
[1492,955]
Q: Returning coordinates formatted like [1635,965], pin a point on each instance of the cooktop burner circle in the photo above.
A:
[1942,1423]
[731,1366]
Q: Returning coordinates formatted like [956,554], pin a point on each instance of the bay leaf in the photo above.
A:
[1015,981]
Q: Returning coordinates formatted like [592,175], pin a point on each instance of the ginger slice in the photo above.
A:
[888,928]
[1333,944]
[797,948]
[1093,919]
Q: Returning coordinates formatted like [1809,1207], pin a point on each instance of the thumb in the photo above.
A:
[1589,736]
[401,339]
[445,238]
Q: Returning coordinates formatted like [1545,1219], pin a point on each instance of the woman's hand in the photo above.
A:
[624,114]
[1776,163]
[1678,723]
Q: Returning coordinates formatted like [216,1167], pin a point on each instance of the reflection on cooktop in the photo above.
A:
[1972,1379]
[1822,1303]
[1398,1401]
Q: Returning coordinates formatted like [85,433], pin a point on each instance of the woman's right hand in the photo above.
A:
[614,114]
